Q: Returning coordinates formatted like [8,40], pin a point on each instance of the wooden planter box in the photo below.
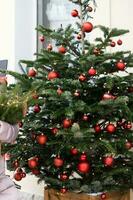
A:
[51,194]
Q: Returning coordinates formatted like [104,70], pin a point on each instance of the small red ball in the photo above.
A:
[112,44]
[128,145]
[64,176]
[42,38]
[87,27]
[83,157]
[108,161]
[20,124]
[53,75]
[82,78]
[54,130]
[74,13]
[23,174]
[127,125]
[110,128]
[59,91]
[35,171]
[76,93]
[17,176]
[92,72]
[32,72]
[36,109]
[63,190]
[85,117]
[108,96]
[103,196]
[84,167]
[74,151]
[62,50]
[97,128]
[120,65]
[32,163]
[67,123]
[89,8]
[58,162]
[119,42]
[41,139]
[16,164]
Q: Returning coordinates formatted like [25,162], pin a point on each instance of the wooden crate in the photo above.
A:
[51,194]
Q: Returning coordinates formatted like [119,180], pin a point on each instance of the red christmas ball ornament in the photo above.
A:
[74,13]
[62,50]
[16,164]
[63,190]
[96,51]
[79,36]
[108,96]
[83,157]
[108,161]
[67,123]
[36,108]
[84,167]
[89,8]
[74,151]
[41,139]
[32,163]
[127,125]
[112,44]
[58,162]
[32,72]
[54,130]
[42,38]
[120,65]
[59,91]
[87,27]
[103,196]
[110,128]
[85,117]
[53,75]
[64,176]
[35,171]
[76,93]
[97,128]
[128,145]
[82,77]
[23,174]
[17,176]
[119,42]
[49,47]
[92,71]
[20,124]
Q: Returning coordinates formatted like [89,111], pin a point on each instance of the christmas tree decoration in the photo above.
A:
[85,117]
[35,172]
[120,65]
[127,125]
[64,176]
[62,50]
[74,13]
[97,128]
[119,42]
[74,151]
[108,96]
[92,71]
[59,91]
[23,174]
[76,93]
[15,164]
[103,196]
[89,8]
[67,123]
[87,27]
[54,130]
[17,176]
[32,72]
[110,128]
[96,51]
[53,75]
[63,190]
[82,77]
[42,38]
[112,44]
[83,157]
[49,47]
[32,163]
[41,139]
[128,145]
[36,108]
[84,167]
[58,162]
[108,161]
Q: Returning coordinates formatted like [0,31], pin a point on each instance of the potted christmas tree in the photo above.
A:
[77,135]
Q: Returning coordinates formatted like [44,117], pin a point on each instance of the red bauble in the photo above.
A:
[120,65]
[35,171]
[32,72]
[108,161]
[127,125]
[16,164]
[58,162]
[119,42]
[17,176]
[67,123]
[53,75]
[42,38]
[92,72]
[41,139]
[97,128]
[103,196]
[84,167]
[62,50]
[59,91]
[85,117]
[82,77]
[36,109]
[112,44]
[20,124]
[49,47]
[63,190]
[83,157]
[108,96]
[64,176]
[32,163]
[128,145]
[87,27]
[79,36]
[74,151]
[76,93]
[54,130]
[110,128]
[74,13]
[23,174]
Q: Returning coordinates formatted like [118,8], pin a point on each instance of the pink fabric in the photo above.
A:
[8,134]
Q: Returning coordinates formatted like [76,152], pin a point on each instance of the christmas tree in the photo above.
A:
[77,134]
